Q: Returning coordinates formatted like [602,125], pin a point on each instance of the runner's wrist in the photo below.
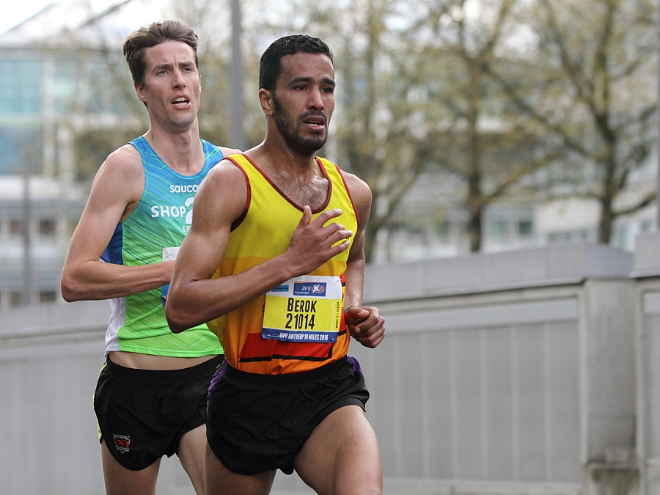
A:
[285,268]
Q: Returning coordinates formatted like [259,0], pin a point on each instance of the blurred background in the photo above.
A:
[480,125]
[512,150]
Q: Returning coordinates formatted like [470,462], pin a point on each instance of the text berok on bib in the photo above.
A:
[304,309]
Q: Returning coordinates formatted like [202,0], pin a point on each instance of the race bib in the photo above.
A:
[169,254]
[304,309]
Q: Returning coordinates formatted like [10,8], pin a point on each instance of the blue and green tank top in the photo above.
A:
[152,233]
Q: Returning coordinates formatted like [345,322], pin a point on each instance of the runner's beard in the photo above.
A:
[290,131]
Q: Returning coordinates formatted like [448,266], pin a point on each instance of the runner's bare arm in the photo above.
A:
[115,191]
[194,296]
[363,322]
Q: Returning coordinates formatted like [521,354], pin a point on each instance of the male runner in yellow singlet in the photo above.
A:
[275,258]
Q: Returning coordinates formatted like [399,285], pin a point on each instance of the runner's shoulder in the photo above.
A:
[124,160]
[225,174]
[359,189]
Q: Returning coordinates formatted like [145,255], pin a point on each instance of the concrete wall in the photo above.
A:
[50,357]
[526,360]
[647,273]
[501,373]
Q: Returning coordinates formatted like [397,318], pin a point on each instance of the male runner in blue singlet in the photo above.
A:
[150,399]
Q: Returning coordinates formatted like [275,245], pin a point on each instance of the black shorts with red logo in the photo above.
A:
[142,414]
[259,422]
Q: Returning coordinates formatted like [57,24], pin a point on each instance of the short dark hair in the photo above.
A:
[155,34]
[270,65]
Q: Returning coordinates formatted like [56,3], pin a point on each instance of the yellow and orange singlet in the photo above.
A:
[298,326]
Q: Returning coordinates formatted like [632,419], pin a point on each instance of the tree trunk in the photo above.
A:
[474,176]
[370,235]
[475,222]
[607,212]
[609,189]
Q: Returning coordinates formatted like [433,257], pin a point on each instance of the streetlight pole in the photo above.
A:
[26,296]
[236,105]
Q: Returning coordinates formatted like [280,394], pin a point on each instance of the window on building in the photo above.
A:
[415,230]
[525,228]
[443,229]
[647,225]
[47,227]
[498,228]
[21,82]
[15,298]
[581,235]
[21,149]
[63,84]
[622,239]
[46,296]
[103,94]
[560,237]
[15,227]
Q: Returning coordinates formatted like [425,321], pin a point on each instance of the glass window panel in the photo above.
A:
[63,86]
[498,228]
[46,296]
[21,148]
[525,227]
[647,225]
[15,227]
[47,227]
[21,81]
[15,299]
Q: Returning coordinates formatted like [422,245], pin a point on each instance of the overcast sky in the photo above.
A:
[14,12]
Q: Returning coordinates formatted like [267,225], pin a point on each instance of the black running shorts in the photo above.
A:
[142,414]
[260,422]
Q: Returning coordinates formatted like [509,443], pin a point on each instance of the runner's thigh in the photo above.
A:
[341,457]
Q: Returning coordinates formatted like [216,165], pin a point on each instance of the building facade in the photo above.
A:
[64,101]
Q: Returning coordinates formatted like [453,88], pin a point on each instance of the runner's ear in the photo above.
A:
[266,101]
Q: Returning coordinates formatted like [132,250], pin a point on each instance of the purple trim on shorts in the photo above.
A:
[218,375]
[355,363]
